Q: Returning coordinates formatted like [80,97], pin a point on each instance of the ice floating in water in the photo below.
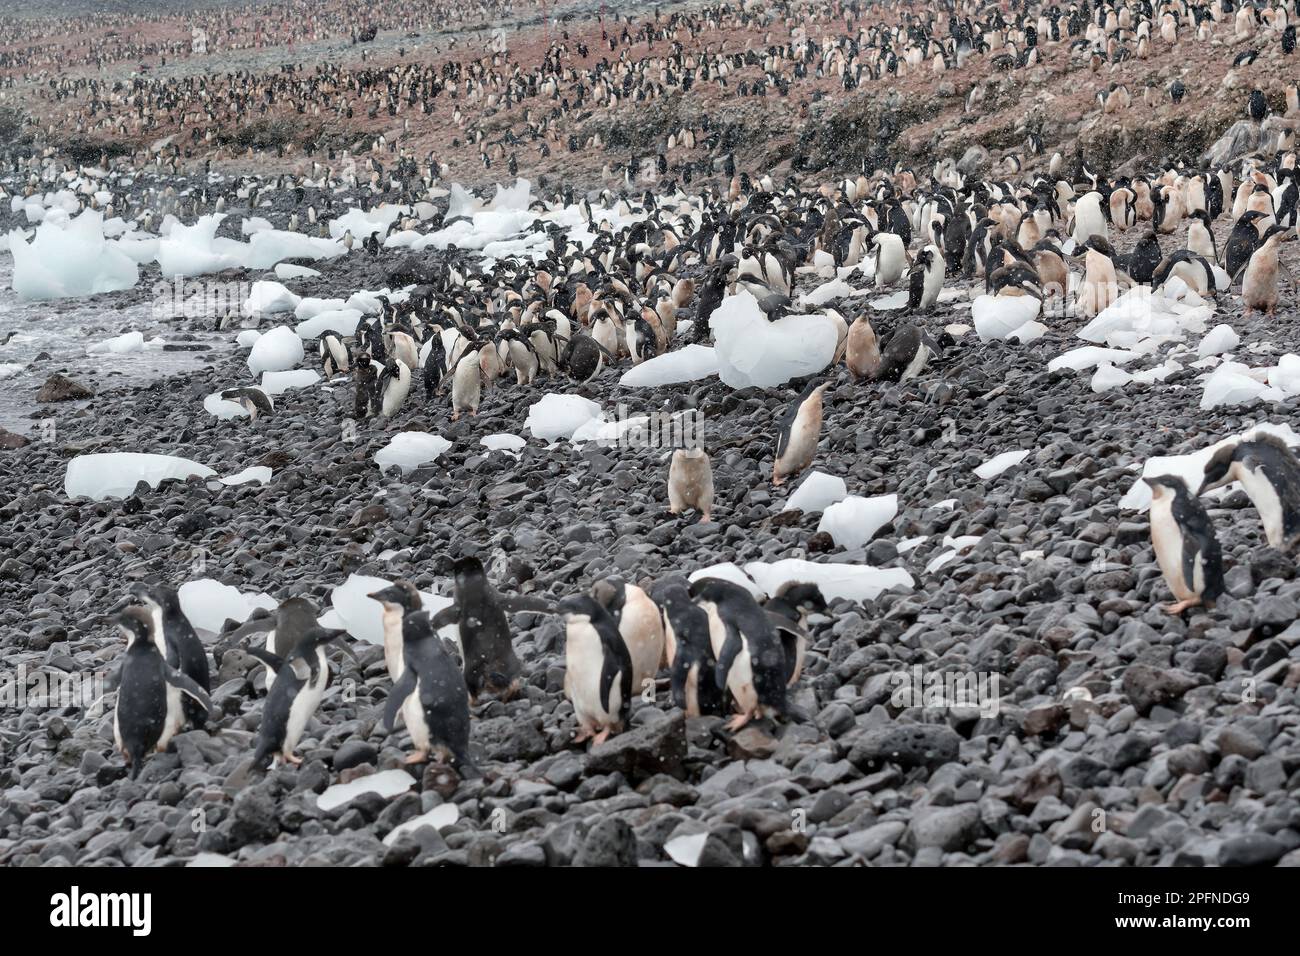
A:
[1218,340]
[128,342]
[1000,463]
[276,351]
[853,582]
[752,351]
[386,783]
[816,492]
[853,522]
[115,474]
[286,270]
[1191,466]
[258,473]
[559,416]
[727,571]
[409,450]
[72,260]
[208,603]
[270,297]
[341,321]
[998,316]
[361,616]
[443,815]
[276,383]
[689,364]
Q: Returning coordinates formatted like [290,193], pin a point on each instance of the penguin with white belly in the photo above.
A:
[693,683]
[1267,469]
[296,692]
[178,644]
[1186,546]
[394,383]
[801,425]
[432,696]
[639,624]
[597,669]
[751,661]
[146,715]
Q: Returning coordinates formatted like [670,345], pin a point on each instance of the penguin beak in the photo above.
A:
[388,595]
[110,616]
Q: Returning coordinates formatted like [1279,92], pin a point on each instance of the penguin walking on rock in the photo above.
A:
[180,647]
[251,399]
[146,715]
[296,692]
[751,660]
[432,696]
[788,610]
[597,669]
[862,349]
[801,425]
[639,625]
[1267,469]
[1259,280]
[1186,546]
[693,667]
[690,482]
[335,358]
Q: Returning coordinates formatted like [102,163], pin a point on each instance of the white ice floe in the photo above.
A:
[341,321]
[1285,376]
[687,850]
[410,450]
[688,364]
[311,306]
[362,617]
[386,783]
[1000,316]
[1218,340]
[73,259]
[503,442]
[119,345]
[953,549]
[268,297]
[911,544]
[1191,466]
[287,270]
[246,338]
[835,289]
[1233,383]
[1086,356]
[816,492]
[223,408]
[115,474]
[853,582]
[362,223]
[853,522]
[276,383]
[557,416]
[1141,320]
[752,351]
[259,473]
[208,603]
[1000,463]
[443,815]
[276,351]
[728,572]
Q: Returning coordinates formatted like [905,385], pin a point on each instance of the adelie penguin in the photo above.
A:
[597,669]
[1259,279]
[335,357]
[1186,546]
[251,399]
[394,383]
[751,660]
[690,482]
[146,716]
[639,624]
[180,647]
[691,663]
[432,696]
[1268,471]
[300,682]
[862,351]
[479,612]
[800,430]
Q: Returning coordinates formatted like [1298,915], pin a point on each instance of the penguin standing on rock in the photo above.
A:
[690,482]
[432,696]
[335,358]
[1259,281]
[179,645]
[690,655]
[366,401]
[479,612]
[907,352]
[394,383]
[145,717]
[925,281]
[751,661]
[597,669]
[1267,469]
[801,425]
[296,692]
[1186,546]
[639,625]
[862,352]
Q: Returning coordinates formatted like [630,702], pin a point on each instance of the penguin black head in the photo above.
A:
[136,624]
[401,595]
[468,568]
[1171,483]
[1216,469]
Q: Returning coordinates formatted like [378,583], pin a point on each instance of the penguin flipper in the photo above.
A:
[403,689]
[731,647]
[187,685]
[273,661]
[256,624]
[448,615]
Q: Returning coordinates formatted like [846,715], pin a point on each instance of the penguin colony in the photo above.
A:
[466,330]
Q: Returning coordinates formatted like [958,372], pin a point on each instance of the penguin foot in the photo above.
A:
[420,756]
[583,735]
[600,738]
[704,518]
[1181,606]
[738,721]
[293,759]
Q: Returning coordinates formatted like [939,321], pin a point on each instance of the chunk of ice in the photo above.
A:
[688,364]
[559,416]
[853,582]
[1000,463]
[853,522]
[208,603]
[409,450]
[752,351]
[386,783]
[115,474]
[276,351]
[817,492]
